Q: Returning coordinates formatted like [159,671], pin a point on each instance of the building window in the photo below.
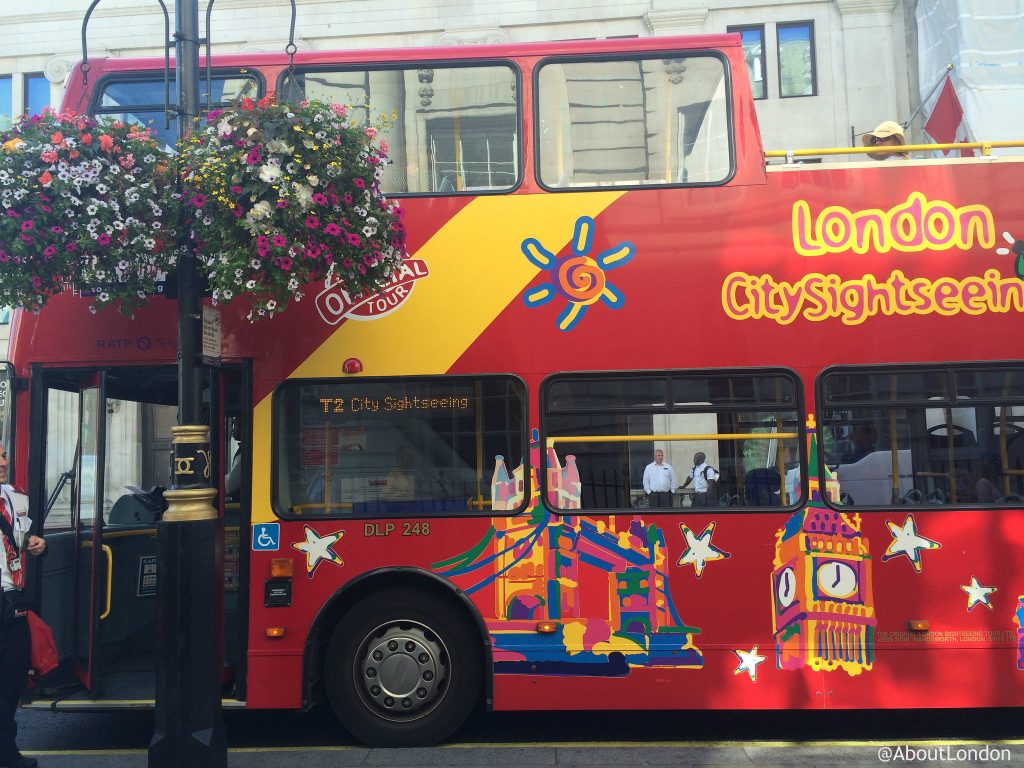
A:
[952,434]
[6,102]
[797,72]
[400,446]
[600,432]
[633,122]
[37,94]
[754,55]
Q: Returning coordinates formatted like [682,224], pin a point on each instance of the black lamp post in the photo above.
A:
[189,727]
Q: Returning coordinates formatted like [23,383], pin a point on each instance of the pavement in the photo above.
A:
[966,754]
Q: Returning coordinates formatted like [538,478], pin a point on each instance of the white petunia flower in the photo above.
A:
[279,147]
[270,172]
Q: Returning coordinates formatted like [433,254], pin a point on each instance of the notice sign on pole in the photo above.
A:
[211,335]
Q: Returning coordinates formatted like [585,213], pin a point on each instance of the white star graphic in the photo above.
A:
[699,549]
[907,542]
[318,549]
[977,594]
[748,662]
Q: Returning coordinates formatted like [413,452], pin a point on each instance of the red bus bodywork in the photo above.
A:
[770,269]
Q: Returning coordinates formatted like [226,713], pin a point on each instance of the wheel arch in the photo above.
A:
[352,592]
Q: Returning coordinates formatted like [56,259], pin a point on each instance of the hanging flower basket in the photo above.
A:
[85,202]
[282,195]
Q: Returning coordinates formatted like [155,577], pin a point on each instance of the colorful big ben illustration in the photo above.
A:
[823,613]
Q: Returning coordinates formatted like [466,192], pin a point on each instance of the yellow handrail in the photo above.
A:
[986,148]
[647,438]
[110,579]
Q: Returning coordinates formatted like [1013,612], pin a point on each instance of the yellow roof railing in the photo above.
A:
[986,148]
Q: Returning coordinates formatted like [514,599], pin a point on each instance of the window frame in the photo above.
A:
[950,400]
[634,56]
[671,408]
[275,436]
[517,75]
[809,24]
[740,29]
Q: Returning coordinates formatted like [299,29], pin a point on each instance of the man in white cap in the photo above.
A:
[887,134]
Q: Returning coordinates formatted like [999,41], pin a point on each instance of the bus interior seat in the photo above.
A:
[137,507]
[761,487]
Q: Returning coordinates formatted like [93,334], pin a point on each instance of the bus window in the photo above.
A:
[141,100]
[642,121]
[448,129]
[601,430]
[929,436]
[400,446]
[138,458]
[61,458]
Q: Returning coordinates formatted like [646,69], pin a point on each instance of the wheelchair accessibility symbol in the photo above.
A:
[266,537]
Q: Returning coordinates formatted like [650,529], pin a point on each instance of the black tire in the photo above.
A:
[404,669]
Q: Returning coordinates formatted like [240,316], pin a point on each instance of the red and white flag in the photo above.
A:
[946,124]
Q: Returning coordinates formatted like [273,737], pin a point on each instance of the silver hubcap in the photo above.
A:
[403,667]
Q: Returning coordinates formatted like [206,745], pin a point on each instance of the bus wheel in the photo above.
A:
[403,669]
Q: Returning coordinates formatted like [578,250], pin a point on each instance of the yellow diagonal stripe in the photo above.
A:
[476,268]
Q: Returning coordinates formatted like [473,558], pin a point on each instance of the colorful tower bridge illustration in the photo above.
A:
[823,612]
[601,584]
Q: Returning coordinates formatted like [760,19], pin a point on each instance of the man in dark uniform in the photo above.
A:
[15,640]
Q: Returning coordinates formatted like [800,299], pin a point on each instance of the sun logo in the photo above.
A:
[1017,248]
[578,277]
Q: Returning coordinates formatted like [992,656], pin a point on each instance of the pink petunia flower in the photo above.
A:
[312,222]
[280,241]
[103,239]
[332,229]
[359,182]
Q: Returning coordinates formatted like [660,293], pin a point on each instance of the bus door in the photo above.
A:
[92,566]
[101,486]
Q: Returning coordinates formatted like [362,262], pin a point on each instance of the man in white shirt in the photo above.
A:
[15,641]
[659,481]
[703,476]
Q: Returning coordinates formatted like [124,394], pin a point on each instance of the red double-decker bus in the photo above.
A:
[444,500]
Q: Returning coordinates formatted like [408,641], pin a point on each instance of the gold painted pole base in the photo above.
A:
[189,504]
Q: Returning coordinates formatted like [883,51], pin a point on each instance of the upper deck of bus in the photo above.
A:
[742,220]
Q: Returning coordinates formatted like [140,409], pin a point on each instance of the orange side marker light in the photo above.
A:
[282,568]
